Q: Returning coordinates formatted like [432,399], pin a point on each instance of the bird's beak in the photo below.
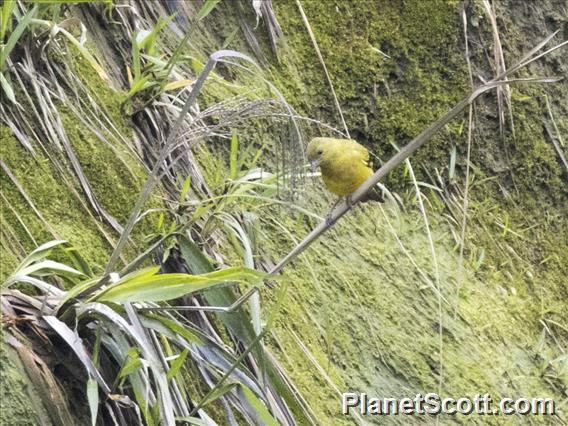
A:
[315,164]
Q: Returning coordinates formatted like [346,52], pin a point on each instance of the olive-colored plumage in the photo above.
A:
[344,163]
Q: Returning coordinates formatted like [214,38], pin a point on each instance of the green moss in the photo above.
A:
[64,214]
[114,175]
[358,304]
[384,100]
[361,314]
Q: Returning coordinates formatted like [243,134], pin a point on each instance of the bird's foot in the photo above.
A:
[329,219]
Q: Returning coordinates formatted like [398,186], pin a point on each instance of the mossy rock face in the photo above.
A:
[62,213]
[49,185]
[362,316]
[385,100]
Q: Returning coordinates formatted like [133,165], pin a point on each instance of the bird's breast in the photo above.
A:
[344,176]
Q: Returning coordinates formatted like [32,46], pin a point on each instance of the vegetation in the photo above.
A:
[164,254]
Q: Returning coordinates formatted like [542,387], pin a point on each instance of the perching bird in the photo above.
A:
[344,165]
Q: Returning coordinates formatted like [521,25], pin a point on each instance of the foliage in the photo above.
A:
[126,336]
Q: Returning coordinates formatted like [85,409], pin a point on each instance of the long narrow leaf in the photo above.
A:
[75,342]
[40,252]
[261,410]
[233,161]
[7,89]
[49,267]
[177,364]
[162,287]
[5,15]
[93,399]
[206,9]
[39,284]
[15,36]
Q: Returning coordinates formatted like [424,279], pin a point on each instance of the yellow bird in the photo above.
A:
[344,164]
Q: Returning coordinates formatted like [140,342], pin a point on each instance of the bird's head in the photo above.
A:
[316,151]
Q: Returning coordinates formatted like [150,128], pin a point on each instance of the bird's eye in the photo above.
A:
[320,151]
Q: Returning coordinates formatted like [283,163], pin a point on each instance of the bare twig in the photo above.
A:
[465,202]
[551,116]
[556,146]
[416,143]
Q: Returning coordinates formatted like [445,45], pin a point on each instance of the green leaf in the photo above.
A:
[218,393]
[79,261]
[185,189]
[15,36]
[139,84]
[141,38]
[206,9]
[160,223]
[260,408]
[7,89]
[5,15]
[193,256]
[86,54]
[49,267]
[77,289]
[55,29]
[193,421]
[162,287]
[239,324]
[40,253]
[174,327]
[132,364]
[177,364]
[147,39]
[93,398]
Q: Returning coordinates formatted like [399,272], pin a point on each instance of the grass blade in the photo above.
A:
[75,342]
[177,364]
[5,14]
[206,9]
[93,399]
[15,36]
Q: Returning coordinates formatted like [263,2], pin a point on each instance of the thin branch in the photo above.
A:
[343,208]
[465,203]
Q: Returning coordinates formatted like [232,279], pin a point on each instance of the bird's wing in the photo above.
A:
[350,150]
[360,152]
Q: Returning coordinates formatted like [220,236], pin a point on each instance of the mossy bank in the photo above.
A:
[373,306]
